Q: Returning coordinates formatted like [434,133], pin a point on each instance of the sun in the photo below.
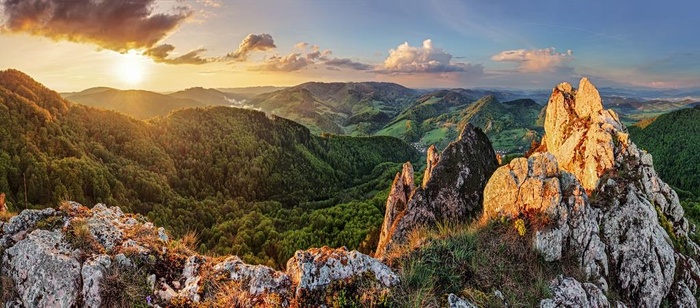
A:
[130,68]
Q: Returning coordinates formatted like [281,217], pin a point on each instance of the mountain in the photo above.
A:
[632,110]
[437,117]
[340,108]
[248,92]
[584,221]
[137,103]
[244,181]
[209,97]
[674,141]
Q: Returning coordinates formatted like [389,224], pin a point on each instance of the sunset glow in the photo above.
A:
[421,44]
[130,68]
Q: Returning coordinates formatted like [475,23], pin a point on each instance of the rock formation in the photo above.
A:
[451,192]
[606,206]
[73,256]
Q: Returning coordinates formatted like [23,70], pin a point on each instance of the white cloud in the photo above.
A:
[425,59]
[536,60]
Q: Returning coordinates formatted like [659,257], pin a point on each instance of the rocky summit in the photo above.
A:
[605,205]
[451,190]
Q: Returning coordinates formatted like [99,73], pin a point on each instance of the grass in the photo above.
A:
[124,287]
[79,237]
[475,261]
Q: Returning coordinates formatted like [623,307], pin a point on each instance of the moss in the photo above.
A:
[50,223]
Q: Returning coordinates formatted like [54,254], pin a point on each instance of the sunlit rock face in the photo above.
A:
[451,190]
[604,202]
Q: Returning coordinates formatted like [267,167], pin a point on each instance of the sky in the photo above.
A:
[167,45]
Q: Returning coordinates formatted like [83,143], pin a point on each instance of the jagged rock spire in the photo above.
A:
[452,189]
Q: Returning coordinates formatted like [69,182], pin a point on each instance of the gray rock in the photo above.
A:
[103,225]
[639,249]
[254,279]
[44,271]
[123,260]
[568,292]
[454,301]
[23,221]
[162,235]
[192,279]
[453,193]
[93,271]
[316,268]
[151,282]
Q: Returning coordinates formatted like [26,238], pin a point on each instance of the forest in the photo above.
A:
[244,182]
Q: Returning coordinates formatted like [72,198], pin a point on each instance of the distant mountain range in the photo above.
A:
[511,118]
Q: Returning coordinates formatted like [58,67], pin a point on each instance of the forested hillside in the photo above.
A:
[247,183]
[673,139]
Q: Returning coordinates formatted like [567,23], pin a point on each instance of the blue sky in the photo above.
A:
[526,44]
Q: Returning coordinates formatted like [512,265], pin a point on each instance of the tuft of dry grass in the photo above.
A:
[79,237]
[474,261]
[124,287]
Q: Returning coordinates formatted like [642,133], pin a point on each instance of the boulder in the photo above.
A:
[22,222]
[454,301]
[94,269]
[568,292]
[314,269]
[44,271]
[103,225]
[257,284]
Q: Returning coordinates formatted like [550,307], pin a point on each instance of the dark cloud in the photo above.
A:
[112,24]
[289,63]
[252,42]
[347,63]
[161,54]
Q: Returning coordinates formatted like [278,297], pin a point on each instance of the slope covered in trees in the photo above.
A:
[673,139]
[246,183]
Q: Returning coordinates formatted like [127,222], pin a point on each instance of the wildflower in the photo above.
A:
[520,226]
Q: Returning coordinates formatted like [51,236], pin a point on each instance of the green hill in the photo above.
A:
[673,139]
[437,118]
[246,182]
[342,108]
[136,103]
[208,97]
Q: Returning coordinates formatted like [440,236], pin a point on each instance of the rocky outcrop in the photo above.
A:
[604,203]
[526,187]
[452,193]
[63,260]
[432,157]
[315,269]
[568,292]
[396,204]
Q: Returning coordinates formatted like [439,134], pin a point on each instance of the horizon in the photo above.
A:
[165,46]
